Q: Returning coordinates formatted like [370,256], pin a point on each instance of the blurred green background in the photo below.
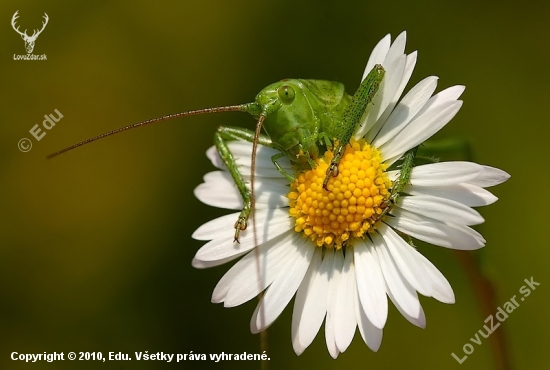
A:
[95,245]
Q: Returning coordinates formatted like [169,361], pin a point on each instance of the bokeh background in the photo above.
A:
[95,245]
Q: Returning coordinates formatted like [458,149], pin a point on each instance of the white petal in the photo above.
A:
[270,224]
[268,270]
[434,104]
[417,269]
[371,111]
[397,48]
[404,295]
[334,284]
[441,289]
[406,76]
[198,264]
[407,73]
[283,287]
[370,284]
[441,209]
[421,128]
[432,231]
[404,257]
[242,151]
[393,175]
[242,154]
[216,228]
[407,108]
[419,321]
[449,94]
[420,219]
[371,335]
[310,306]
[223,227]
[219,190]
[372,123]
[270,256]
[467,194]
[468,230]
[378,54]
[315,307]
[444,173]
[490,176]
[344,320]
[388,92]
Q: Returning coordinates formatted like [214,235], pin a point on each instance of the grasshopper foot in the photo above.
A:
[240,225]
[332,171]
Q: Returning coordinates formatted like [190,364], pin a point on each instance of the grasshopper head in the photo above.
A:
[290,118]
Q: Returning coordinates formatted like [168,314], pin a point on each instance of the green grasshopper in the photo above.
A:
[301,118]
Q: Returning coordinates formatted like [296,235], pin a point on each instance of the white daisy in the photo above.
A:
[332,248]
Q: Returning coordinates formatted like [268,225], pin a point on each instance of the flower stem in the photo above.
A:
[457,149]
[485,293]
[264,364]
[264,349]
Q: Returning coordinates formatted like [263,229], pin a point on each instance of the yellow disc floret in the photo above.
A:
[353,203]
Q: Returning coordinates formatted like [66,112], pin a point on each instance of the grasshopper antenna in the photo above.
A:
[253,170]
[230,108]
[257,131]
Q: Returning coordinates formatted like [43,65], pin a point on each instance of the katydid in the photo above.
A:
[301,118]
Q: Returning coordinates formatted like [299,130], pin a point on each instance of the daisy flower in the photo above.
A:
[342,251]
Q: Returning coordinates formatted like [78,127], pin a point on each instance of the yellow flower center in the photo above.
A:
[353,203]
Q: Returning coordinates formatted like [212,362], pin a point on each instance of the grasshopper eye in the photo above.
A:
[286,94]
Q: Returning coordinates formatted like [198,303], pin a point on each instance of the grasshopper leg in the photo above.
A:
[352,116]
[400,183]
[221,137]
[324,139]
[274,158]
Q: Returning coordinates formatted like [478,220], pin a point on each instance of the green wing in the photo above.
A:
[328,93]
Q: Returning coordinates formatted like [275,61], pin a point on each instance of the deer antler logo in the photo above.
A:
[29,40]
